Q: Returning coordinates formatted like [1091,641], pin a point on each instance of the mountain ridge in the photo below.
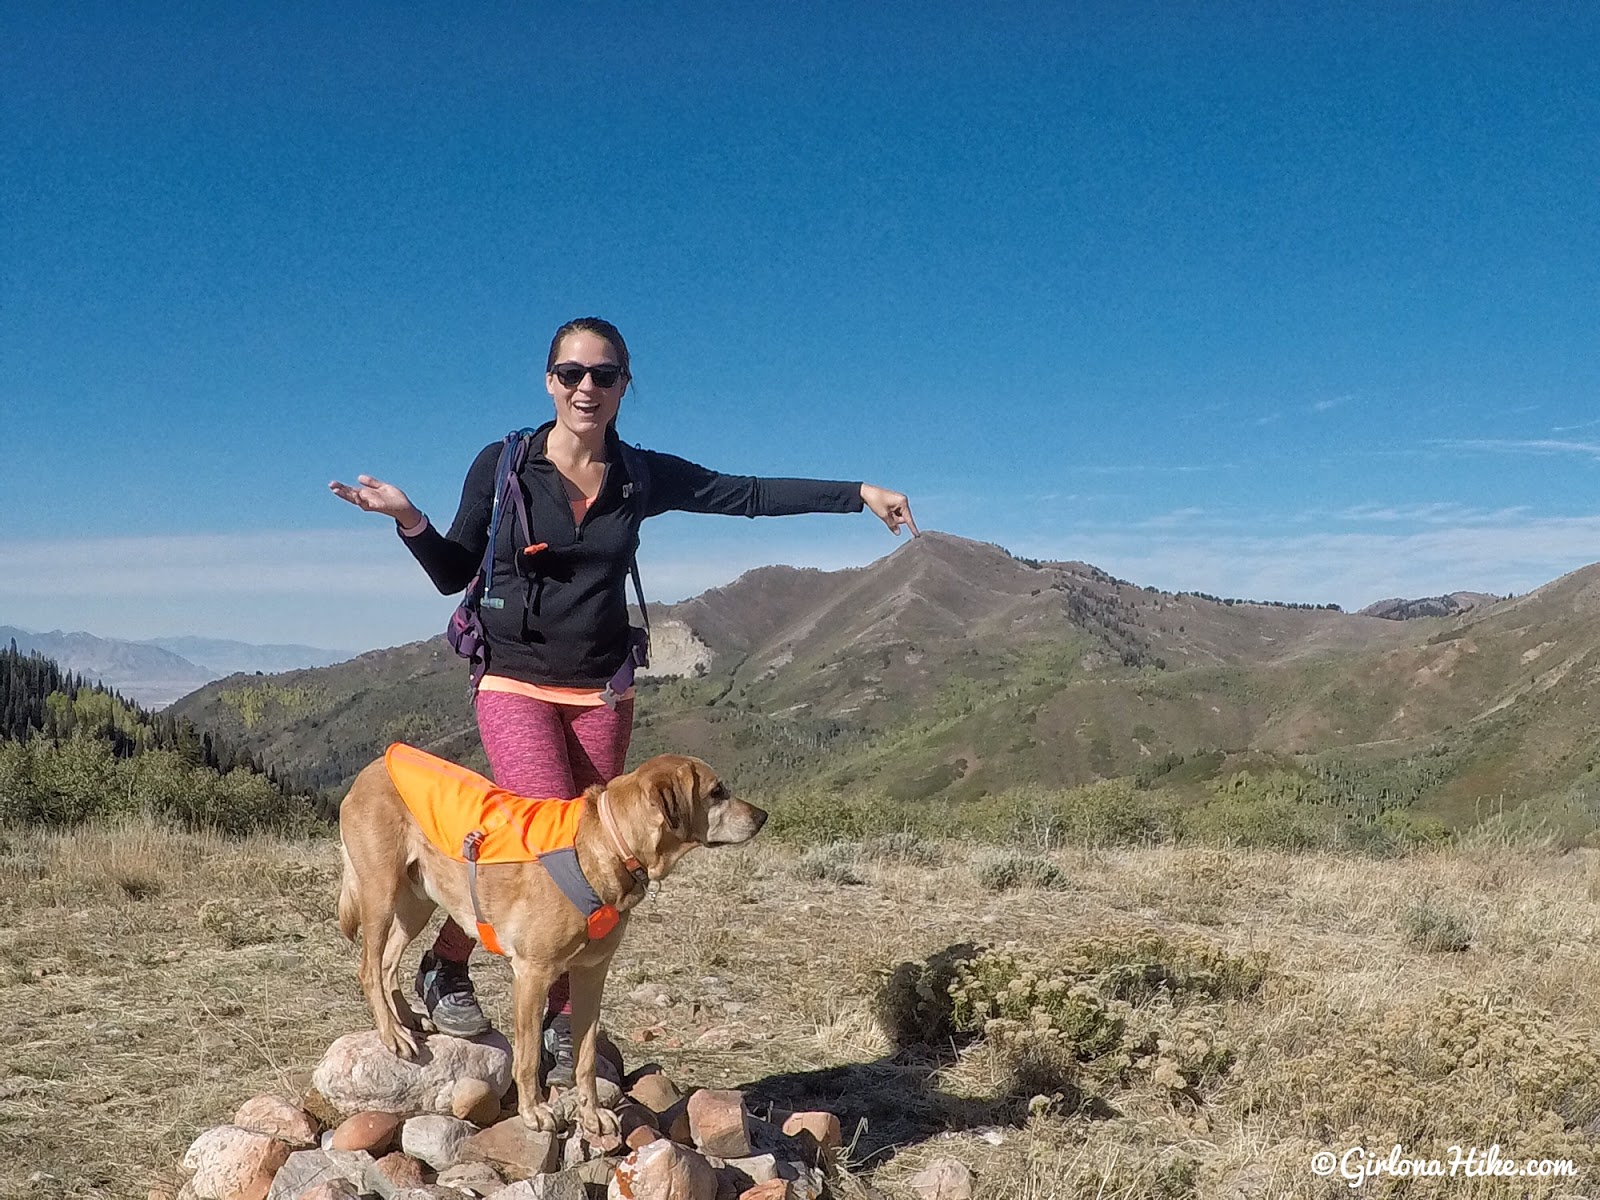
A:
[950,670]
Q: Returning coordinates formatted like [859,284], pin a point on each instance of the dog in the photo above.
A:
[634,830]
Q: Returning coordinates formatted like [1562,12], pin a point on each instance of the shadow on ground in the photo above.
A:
[884,1105]
[894,1101]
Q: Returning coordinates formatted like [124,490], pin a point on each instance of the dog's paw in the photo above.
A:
[541,1118]
[402,1043]
[598,1123]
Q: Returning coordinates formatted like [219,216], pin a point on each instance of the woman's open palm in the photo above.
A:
[375,495]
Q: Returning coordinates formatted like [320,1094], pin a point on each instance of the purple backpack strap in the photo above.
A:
[465,631]
[638,648]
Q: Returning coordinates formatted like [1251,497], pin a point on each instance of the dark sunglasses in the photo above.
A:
[570,374]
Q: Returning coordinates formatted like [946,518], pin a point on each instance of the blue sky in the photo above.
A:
[1277,301]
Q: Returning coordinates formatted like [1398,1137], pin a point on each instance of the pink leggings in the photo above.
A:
[541,749]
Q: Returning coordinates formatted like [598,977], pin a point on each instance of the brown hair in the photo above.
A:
[600,328]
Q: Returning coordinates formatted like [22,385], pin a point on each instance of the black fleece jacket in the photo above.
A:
[565,618]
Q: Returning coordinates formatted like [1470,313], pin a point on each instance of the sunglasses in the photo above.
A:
[570,374]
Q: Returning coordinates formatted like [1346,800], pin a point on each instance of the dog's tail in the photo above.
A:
[349,910]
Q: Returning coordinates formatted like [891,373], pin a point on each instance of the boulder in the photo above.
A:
[516,1150]
[655,1091]
[821,1128]
[278,1118]
[596,1173]
[304,1171]
[674,1123]
[479,1178]
[562,1185]
[637,1124]
[358,1073]
[758,1168]
[436,1139]
[229,1163]
[718,1123]
[393,1173]
[578,1149]
[373,1132]
[475,1100]
[663,1170]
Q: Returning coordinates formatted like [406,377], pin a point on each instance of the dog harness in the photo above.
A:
[474,821]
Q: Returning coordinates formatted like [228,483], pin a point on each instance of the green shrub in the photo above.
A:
[81,778]
[816,816]
[1113,812]
[1432,928]
[1002,871]
[1001,985]
[1091,1016]
[1254,821]
[836,862]
[1408,830]
[903,847]
[912,1002]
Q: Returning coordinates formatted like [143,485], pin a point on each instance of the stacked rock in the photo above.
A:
[376,1127]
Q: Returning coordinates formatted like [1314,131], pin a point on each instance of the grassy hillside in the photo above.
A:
[326,723]
[953,671]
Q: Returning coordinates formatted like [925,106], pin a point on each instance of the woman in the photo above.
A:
[561,631]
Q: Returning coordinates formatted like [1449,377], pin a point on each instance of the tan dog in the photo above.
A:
[394,877]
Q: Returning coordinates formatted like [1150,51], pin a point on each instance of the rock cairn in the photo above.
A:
[375,1127]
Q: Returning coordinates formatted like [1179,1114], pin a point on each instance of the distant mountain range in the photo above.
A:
[951,669]
[154,673]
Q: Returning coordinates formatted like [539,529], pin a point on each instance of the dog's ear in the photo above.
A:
[677,793]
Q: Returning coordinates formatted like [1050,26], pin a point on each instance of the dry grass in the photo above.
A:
[151,980]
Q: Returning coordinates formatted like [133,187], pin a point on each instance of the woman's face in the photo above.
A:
[584,408]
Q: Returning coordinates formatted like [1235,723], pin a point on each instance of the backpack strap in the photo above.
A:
[633,461]
[513,454]
[465,630]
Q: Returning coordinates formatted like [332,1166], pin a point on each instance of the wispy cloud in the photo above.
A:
[356,589]
[1514,553]
[1331,403]
[1151,468]
[1431,514]
[1521,446]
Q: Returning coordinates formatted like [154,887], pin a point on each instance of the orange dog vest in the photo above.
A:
[475,821]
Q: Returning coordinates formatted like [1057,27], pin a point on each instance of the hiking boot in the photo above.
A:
[557,1056]
[450,998]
